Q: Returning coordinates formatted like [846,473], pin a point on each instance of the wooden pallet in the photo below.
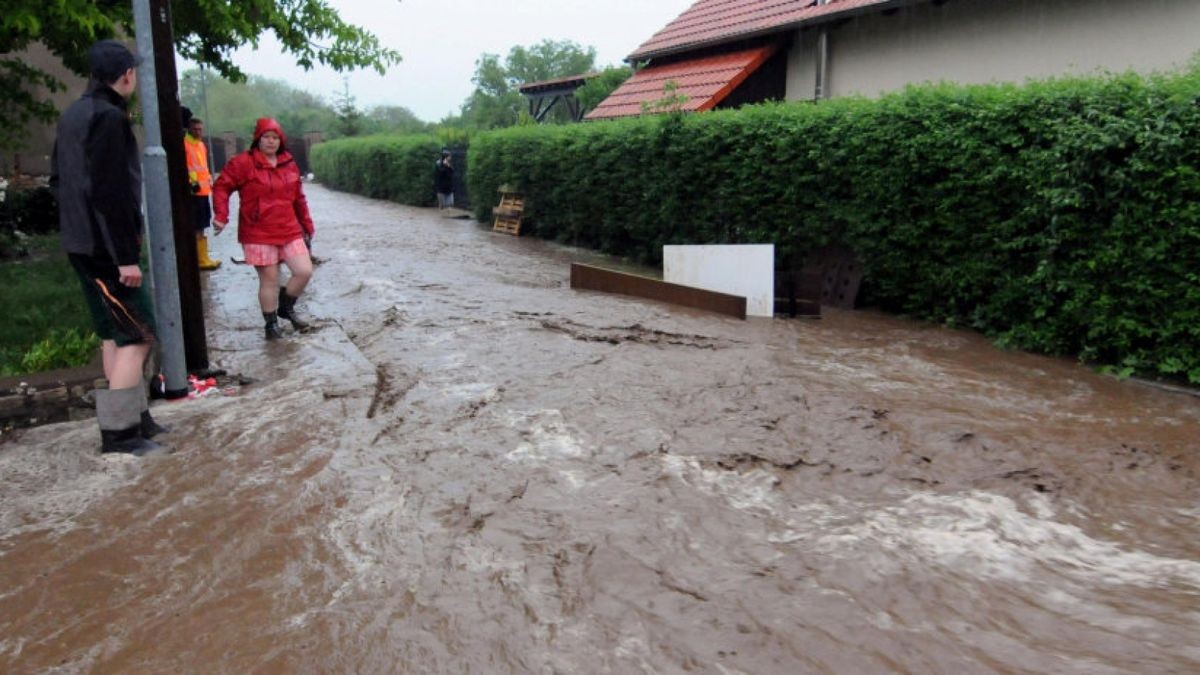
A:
[509,213]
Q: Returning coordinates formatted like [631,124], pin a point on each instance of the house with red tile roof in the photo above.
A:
[725,53]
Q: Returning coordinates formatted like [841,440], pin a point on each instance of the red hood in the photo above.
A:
[266,124]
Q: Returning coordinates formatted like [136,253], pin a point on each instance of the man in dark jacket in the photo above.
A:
[96,176]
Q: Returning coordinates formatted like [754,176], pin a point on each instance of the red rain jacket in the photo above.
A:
[273,209]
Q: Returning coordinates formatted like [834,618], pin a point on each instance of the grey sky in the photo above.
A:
[441,39]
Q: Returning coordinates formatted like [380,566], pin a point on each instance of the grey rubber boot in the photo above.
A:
[149,427]
[287,309]
[119,412]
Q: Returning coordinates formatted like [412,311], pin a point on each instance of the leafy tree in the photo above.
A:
[595,90]
[394,119]
[206,31]
[497,101]
[233,106]
[549,59]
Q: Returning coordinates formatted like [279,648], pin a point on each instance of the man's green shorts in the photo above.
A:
[119,313]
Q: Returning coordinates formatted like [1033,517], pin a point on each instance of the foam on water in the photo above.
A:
[990,536]
[548,436]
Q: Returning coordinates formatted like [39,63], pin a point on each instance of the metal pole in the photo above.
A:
[158,214]
[822,75]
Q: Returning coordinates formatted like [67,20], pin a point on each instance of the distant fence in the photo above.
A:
[228,144]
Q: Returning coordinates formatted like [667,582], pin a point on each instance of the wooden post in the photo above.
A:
[191,305]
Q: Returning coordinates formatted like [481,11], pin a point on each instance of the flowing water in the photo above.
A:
[470,467]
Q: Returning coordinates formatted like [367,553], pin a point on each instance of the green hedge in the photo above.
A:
[398,168]
[1061,216]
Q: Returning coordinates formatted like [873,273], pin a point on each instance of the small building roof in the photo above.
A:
[571,82]
[713,22]
[705,82]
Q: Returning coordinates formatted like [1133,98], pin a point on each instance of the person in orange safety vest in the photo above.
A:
[200,181]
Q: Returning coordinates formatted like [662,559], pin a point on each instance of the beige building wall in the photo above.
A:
[34,157]
[983,41]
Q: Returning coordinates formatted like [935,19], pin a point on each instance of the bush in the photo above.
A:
[1061,217]
[22,213]
[398,168]
[62,348]
[41,299]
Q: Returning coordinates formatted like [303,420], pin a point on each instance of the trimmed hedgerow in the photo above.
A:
[398,168]
[1061,216]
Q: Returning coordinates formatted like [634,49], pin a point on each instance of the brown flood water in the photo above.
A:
[470,467]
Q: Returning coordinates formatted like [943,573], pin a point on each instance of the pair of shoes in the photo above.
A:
[272,326]
[287,309]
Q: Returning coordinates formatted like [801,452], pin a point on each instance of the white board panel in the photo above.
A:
[747,270]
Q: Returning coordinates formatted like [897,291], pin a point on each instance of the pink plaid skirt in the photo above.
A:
[261,255]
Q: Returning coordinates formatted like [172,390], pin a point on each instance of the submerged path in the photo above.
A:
[470,467]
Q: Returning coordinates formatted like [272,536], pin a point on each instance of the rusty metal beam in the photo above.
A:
[587,277]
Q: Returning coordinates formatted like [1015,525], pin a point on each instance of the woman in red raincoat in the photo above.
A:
[273,221]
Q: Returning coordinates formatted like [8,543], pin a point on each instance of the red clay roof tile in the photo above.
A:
[715,21]
[704,81]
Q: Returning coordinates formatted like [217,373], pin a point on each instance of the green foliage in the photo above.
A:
[1061,217]
[41,302]
[399,168]
[393,119]
[452,136]
[349,118]
[595,90]
[60,349]
[29,211]
[205,31]
[21,103]
[671,102]
[234,106]
[497,102]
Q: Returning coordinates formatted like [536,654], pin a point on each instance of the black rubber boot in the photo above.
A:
[272,326]
[127,441]
[118,411]
[149,427]
[287,309]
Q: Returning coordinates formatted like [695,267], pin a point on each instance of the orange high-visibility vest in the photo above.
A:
[197,163]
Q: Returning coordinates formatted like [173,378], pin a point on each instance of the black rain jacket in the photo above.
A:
[96,175]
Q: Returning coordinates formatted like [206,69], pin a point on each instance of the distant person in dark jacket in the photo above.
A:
[274,224]
[96,176]
[443,181]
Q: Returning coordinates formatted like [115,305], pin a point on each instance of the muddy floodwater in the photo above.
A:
[470,468]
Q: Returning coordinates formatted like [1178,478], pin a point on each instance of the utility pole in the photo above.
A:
[191,302]
[158,213]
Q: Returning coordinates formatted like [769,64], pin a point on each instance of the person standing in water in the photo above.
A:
[96,176]
[443,181]
[273,221]
[200,184]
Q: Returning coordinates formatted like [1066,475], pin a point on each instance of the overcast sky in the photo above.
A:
[441,39]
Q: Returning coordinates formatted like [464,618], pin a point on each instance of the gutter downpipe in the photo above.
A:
[821,89]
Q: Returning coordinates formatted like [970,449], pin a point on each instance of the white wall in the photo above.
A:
[981,41]
[746,270]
